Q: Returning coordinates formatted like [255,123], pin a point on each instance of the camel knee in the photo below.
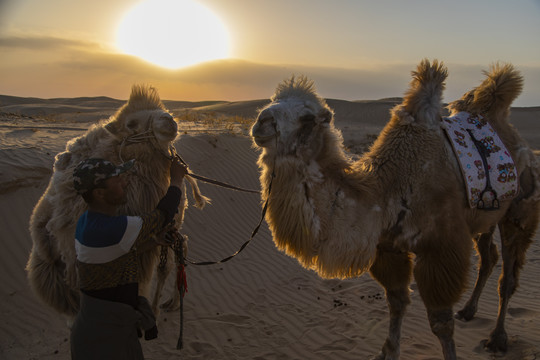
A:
[442,326]
[441,323]
[398,300]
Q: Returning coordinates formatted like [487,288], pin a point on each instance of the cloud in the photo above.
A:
[60,67]
[41,42]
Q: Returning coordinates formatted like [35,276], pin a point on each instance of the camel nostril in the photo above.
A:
[267,119]
[169,126]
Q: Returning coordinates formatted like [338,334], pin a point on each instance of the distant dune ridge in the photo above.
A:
[262,304]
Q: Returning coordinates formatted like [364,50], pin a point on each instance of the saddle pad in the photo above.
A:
[501,168]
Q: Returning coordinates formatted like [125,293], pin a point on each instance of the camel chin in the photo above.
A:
[264,141]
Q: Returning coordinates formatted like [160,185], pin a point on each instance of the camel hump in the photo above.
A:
[502,85]
[423,99]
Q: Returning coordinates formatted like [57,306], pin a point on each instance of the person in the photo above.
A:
[111,312]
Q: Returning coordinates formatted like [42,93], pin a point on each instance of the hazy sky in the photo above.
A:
[353,49]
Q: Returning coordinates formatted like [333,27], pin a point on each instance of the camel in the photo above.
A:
[400,210]
[141,129]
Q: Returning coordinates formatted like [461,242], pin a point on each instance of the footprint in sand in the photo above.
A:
[522,312]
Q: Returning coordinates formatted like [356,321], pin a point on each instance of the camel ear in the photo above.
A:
[325,116]
[62,160]
[307,119]
[112,127]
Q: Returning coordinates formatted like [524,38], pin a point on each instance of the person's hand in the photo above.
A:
[167,236]
[178,171]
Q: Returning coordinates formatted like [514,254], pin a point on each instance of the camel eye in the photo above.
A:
[132,124]
[307,118]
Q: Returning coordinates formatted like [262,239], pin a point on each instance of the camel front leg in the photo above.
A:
[397,301]
[393,270]
[442,325]
[487,251]
[441,273]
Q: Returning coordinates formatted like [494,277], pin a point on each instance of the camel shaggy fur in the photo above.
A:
[401,210]
[142,129]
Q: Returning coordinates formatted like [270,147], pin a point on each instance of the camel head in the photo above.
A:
[144,118]
[295,120]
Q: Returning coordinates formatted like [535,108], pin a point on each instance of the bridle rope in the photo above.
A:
[176,239]
[135,139]
[148,135]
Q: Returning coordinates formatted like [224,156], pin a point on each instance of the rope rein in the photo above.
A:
[255,230]
[174,239]
[149,135]
[175,154]
[245,244]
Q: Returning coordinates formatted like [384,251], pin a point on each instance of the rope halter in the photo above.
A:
[145,136]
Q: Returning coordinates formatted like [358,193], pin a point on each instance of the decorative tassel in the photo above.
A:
[181,279]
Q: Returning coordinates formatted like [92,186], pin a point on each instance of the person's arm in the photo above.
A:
[167,207]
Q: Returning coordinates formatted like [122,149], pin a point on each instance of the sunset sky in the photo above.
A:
[353,49]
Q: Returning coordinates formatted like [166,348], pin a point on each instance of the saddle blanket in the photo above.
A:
[501,170]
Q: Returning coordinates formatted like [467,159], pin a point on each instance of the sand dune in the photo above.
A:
[259,305]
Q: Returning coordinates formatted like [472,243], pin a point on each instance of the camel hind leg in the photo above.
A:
[517,229]
[487,251]
[393,270]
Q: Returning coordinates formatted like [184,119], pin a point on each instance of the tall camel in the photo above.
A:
[142,129]
[399,211]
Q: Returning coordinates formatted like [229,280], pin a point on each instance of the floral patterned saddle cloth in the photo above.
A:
[486,165]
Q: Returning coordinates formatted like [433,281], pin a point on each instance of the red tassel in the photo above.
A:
[181,279]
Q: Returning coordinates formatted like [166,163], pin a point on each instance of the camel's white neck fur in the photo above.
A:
[320,219]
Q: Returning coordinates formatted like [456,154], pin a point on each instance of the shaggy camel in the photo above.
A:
[142,129]
[400,210]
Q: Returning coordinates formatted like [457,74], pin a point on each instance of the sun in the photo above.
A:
[172,33]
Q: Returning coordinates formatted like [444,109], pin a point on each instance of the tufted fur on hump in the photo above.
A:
[424,95]
[493,97]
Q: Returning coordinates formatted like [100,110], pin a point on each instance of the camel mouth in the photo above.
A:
[262,140]
[166,129]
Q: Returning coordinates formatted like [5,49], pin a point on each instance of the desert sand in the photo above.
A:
[261,304]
